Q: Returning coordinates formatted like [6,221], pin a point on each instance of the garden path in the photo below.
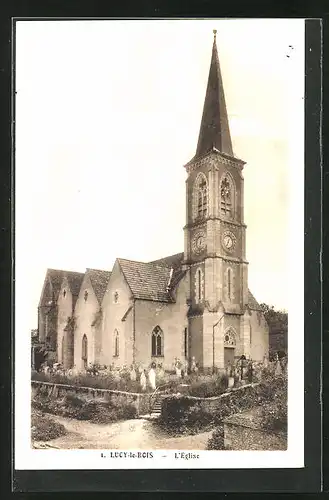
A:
[127,434]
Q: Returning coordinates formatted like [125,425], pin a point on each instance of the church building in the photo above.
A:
[193,304]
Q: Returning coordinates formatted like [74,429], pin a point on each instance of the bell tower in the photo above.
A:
[214,242]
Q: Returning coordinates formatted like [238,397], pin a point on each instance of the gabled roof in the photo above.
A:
[147,281]
[53,282]
[56,277]
[171,261]
[153,280]
[252,302]
[75,281]
[99,280]
[175,262]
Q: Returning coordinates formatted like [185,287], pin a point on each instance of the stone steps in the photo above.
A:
[156,408]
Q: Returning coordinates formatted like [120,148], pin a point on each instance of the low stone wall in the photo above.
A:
[174,406]
[215,402]
[140,401]
[244,432]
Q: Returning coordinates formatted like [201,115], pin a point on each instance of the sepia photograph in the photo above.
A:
[159,169]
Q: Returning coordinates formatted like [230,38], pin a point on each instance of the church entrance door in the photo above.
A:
[229,356]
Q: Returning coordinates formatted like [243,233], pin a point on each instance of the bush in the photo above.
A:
[271,394]
[44,428]
[274,411]
[275,416]
[208,388]
[108,381]
[71,399]
[179,412]
[95,410]
[216,441]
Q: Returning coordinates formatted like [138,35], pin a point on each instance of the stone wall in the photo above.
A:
[244,432]
[175,406]
[47,389]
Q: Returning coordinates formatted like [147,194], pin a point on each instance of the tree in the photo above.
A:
[277,321]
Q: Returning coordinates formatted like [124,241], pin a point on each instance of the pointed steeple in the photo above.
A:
[214,129]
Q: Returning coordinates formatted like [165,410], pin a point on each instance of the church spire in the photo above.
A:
[214,129]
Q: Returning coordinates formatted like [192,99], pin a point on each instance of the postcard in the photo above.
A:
[159,171]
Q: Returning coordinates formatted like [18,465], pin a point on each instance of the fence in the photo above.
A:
[48,389]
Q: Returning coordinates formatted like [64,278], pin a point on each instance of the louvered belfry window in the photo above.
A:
[202,198]
[226,197]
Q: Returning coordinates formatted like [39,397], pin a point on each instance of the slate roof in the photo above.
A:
[214,128]
[75,281]
[56,276]
[153,280]
[171,261]
[99,280]
[174,262]
[147,280]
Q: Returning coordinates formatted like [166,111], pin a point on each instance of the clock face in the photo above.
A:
[199,242]
[228,241]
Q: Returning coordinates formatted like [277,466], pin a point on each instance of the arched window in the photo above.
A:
[200,197]
[63,349]
[84,351]
[185,342]
[157,342]
[227,197]
[229,338]
[116,343]
[250,333]
[229,346]
[229,284]
[199,285]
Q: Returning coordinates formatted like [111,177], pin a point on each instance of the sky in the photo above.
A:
[107,114]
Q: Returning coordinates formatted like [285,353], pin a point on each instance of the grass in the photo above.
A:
[107,381]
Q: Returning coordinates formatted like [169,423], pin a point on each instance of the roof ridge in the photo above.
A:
[152,263]
[130,260]
[99,270]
